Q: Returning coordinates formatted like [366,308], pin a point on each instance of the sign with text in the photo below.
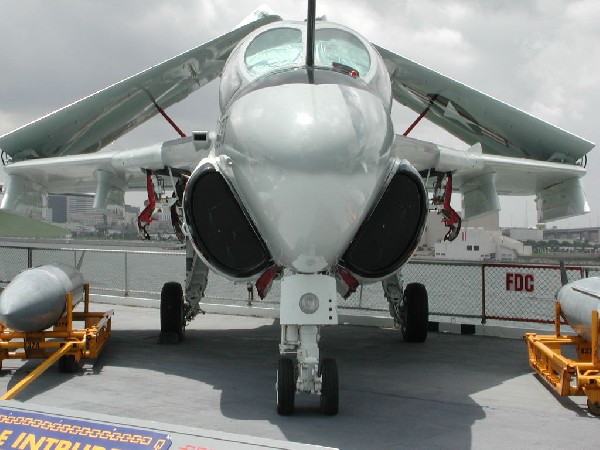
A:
[24,430]
[522,292]
[519,282]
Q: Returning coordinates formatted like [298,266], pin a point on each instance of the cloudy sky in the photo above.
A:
[542,56]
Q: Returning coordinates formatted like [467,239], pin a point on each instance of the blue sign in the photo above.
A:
[32,431]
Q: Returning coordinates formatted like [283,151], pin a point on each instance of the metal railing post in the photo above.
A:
[29,257]
[360,297]
[126,277]
[483,317]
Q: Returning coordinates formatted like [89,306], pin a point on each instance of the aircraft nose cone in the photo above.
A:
[315,127]
[308,161]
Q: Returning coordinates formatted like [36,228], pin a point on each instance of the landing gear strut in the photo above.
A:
[307,303]
[442,194]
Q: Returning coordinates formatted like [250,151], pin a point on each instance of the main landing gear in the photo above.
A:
[176,310]
[410,309]
[307,303]
[172,313]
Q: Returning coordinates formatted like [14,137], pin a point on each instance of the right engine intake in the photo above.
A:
[391,232]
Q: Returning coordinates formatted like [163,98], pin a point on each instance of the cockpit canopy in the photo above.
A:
[282,46]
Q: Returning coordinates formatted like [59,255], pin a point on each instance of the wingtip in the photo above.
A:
[261,12]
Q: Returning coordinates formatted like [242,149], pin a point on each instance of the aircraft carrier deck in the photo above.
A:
[454,391]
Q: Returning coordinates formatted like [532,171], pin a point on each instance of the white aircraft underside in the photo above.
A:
[305,178]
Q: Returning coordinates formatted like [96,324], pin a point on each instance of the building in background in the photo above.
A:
[77,213]
[525,234]
[57,206]
[479,239]
[589,235]
[479,244]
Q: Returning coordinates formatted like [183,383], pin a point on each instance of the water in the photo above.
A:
[140,270]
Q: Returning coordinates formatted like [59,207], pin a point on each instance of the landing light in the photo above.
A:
[309,303]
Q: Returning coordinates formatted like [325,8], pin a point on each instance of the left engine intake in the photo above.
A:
[220,228]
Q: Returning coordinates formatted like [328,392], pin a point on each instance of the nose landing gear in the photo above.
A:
[307,303]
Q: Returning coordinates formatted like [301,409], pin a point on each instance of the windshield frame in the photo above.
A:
[236,75]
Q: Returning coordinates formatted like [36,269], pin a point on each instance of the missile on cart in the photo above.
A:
[577,301]
[36,298]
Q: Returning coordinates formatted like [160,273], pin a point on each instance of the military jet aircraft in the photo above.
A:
[304,178]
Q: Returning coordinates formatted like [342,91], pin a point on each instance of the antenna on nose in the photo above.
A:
[310,33]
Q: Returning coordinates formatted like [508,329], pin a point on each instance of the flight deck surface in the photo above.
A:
[453,391]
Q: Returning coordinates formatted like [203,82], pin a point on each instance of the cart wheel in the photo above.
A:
[593,408]
[68,364]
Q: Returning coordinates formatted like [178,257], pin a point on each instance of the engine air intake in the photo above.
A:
[392,231]
[220,228]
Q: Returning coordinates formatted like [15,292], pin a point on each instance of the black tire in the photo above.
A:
[330,387]
[172,315]
[415,313]
[286,387]
[68,364]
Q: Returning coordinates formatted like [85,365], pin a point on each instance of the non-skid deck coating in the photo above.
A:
[451,392]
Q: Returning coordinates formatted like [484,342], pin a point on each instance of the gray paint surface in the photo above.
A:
[36,298]
[577,300]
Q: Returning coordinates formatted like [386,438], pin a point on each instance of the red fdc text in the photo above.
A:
[519,282]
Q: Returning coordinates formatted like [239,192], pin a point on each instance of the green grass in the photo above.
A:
[13,225]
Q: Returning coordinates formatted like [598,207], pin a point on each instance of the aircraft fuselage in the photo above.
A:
[305,149]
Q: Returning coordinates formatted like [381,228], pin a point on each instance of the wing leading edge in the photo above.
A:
[481,178]
[475,117]
[109,174]
[95,121]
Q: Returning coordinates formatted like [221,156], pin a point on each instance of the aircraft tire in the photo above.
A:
[415,313]
[286,387]
[172,316]
[330,387]
[68,364]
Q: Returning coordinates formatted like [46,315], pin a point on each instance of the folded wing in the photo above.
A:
[475,117]
[95,121]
